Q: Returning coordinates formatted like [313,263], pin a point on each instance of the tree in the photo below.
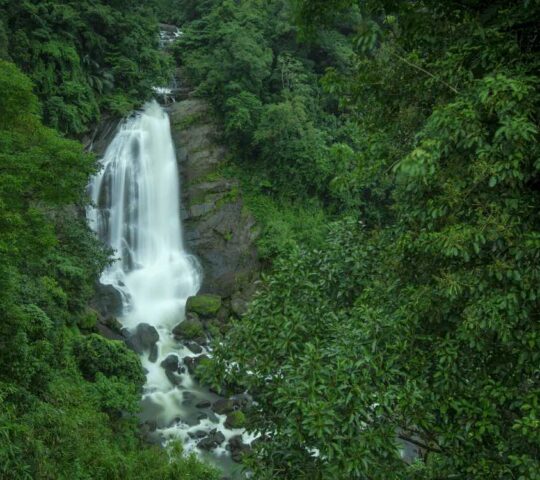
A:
[68,403]
[421,325]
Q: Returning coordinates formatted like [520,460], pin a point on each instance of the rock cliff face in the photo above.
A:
[217,227]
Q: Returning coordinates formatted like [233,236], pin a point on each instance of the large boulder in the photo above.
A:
[197,434]
[171,363]
[234,403]
[194,347]
[108,301]
[109,333]
[190,329]
[235,419]
[144,339]
[205,305]
[204,404]
[239,304]
[223,406]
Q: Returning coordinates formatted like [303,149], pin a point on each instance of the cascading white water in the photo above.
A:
[137,212]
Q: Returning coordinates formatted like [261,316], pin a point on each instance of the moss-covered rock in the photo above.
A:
[204,305]
[190,329]
[235,419]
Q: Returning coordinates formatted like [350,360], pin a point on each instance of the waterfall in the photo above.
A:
[136,211]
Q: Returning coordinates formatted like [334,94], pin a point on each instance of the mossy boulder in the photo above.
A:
[190,329]
[206,305]
[235,419]
[223,406]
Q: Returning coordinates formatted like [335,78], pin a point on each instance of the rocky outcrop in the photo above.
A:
[218,229]
[213,440]
[108,301]
[143,339]
[99,139]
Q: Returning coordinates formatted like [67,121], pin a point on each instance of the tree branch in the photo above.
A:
[423,70]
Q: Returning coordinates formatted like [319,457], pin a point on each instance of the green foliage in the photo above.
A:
[88,321]
[284,226]
[95,354]
[68,403]
[263,84]
[236,419]
[419,323]
[85,57]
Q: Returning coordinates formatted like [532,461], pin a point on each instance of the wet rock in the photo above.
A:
[171,363]
[223,314]
[153,354]
[105,131]
[113,323]
[218,229]
[242,401]
[201,210]
[174,378]
[188,398]
[144,338]
[150,425]
[190,329]
[192,316]
[194,347]
[203,404]
[108,300]
[238,448]
[197,434]
[206,305]
[106,332]
[176,421]
[239,304]
[149,433]
[213,440]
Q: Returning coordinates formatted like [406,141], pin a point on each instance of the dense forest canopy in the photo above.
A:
[410,309]
[389,152]
[84,57]
[69,398]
